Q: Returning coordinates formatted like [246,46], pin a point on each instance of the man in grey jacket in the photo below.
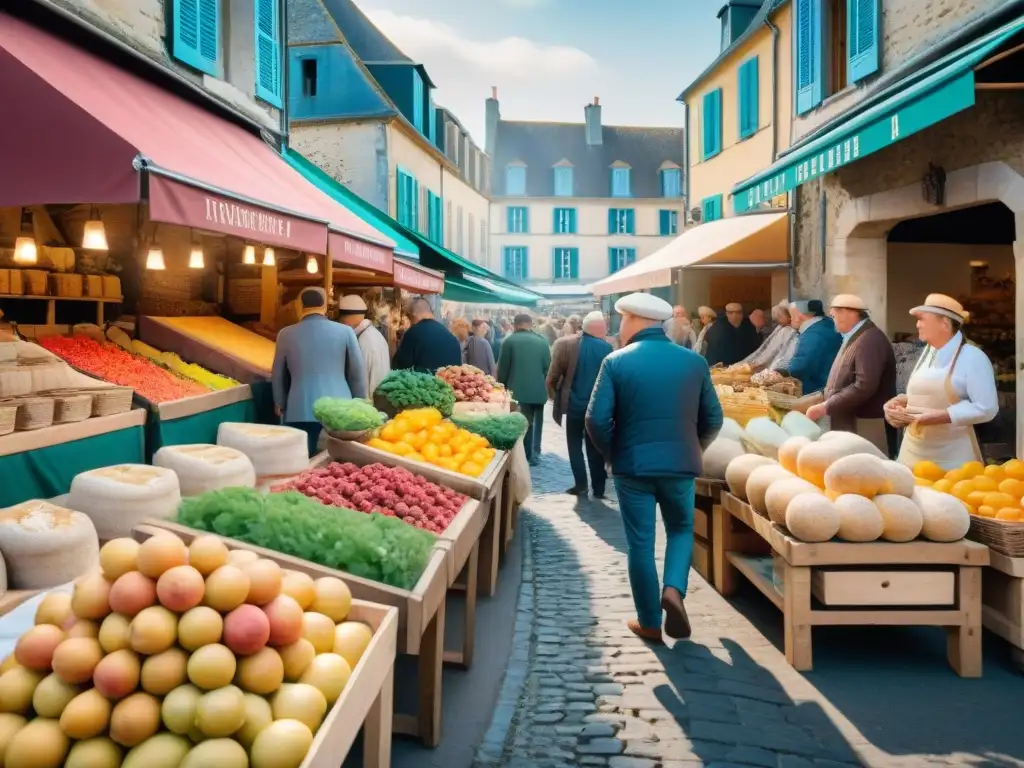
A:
[315,358]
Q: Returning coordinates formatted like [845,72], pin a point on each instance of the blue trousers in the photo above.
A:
[638,498]
[312,430]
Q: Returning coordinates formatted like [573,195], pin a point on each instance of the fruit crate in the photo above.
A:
[420,622]
[365,703]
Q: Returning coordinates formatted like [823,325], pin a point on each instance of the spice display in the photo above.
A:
[502,430]
[471,385]
[409,389]
[174,363]
[421,434]
[375,547]
[390,491]
[354,415]
[113,364]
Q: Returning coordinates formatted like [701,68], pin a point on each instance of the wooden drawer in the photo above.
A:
[873,588]
[701,524]
[701,561]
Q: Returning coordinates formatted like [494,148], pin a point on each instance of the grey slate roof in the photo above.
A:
[542,145]
[309,23]
[368,42]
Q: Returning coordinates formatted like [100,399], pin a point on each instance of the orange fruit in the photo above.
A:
[962,490]
[942,485]
[956,475]
[928,470]
[985,483]
[984,511]
[1008,514]
[971,509]
[471,468]
[1001,500]
[1012,487]
[973,468]
[995,472]
[1014,468]
[976,498]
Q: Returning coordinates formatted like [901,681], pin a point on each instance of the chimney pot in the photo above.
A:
[494,92]
[597,101]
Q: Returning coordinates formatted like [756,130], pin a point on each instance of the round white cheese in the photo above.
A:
[201,468]
[119,497]
[272,450]
[45,545]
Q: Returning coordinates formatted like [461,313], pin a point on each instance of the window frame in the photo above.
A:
[711,124]
[565,171]
[628,254]
[564,216]
[624,221]
[668,222]
[558,256]
[517,220]
[516,170]
[520,251]
[621,177]
[675,173]
[714,204]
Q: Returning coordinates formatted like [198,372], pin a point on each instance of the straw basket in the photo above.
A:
[72,408]
[108,402]
[8,416]
[1003,537]
[357,436]
[781,400]
[34,413]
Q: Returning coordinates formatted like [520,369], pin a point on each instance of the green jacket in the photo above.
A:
[523,366]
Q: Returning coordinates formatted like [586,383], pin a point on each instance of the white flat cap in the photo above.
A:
[644,305]
[848,301]
[592,317]
[351,304]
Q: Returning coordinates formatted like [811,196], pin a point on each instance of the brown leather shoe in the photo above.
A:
[650,635]
[677,624]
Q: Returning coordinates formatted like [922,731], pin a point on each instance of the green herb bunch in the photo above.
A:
[502,430]
[342,415]
[410,389]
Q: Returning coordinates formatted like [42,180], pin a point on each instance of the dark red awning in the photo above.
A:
[412,277]
[78,129]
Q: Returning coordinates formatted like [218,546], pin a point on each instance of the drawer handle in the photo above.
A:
[885,585]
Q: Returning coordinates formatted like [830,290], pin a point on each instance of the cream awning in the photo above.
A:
[754,239]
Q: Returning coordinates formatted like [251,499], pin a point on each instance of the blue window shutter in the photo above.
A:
[809,71]
[515,180]
[612,252]
[414,205]
[748,98]
[863,31]
[663,222]
[630,256]
[671,182]
[268,52]
[572,221]
[631,221]
[417,101]
[526,219]
[195,34]
[613,221]
[432,121]
[574,263]
[712,123]
[400,197]
[563,182]
[510,224]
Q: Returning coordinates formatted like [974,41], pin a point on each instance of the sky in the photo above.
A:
[549,58]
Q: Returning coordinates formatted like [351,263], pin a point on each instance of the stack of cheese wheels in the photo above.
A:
[273,451]
[45,545]
[117,498]
[201,468]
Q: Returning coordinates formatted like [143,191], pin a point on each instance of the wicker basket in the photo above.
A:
[1003,537]
[8,416]
[106,401]
[34,413]
[71,408]
[781,400]
[357,436]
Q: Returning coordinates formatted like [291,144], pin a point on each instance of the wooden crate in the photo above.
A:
[707,493]
[421,613]
[1002,595]
[366,703]
[919,583]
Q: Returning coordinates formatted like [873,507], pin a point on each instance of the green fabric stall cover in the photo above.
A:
[197,428]
[48,472]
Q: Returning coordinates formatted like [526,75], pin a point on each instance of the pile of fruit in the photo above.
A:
[191,656]
[471,385]
[995,491]
[410,389]
[113,364]
[174,363]
[421,434]
[341,415]
[390,491]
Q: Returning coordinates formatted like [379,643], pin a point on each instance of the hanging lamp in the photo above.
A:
[249,255]
[94,236]
[268,257]
[155,257]
[25,251]
[311,265]
[195,257]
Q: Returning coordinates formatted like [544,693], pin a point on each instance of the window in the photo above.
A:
[711,207]
[460,233]
[862,42]
[515,262]
[308,77]
[423,214]
[836,44]
[565,221]
[619,258]
[566,264]
[747,95]
[432,121]
[407,200]
[515,180]
[435,222]
[672,182]
[563,181]
[621,221]
[268,52]
[195,34]
[417,101]
[518,219]
[712,123]
[620,182]
[668,222]
[838,72]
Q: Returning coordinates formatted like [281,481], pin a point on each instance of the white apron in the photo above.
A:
[948,445]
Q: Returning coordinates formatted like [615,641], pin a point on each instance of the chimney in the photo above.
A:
[493,116]
[736,16]
[592,116]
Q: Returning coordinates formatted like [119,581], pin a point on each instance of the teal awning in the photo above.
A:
[339,192]
[928,96]
[470,289]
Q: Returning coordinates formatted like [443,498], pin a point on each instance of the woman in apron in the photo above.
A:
[952,388]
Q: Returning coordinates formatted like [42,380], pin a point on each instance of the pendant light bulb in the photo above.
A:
[195,258]
[155,259]
[249,256]
[25,251]
[94,236]
[311,265]
[268,257]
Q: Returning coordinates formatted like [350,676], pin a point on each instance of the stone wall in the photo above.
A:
[353,153]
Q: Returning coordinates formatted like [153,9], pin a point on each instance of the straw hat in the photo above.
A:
[940,304]
[849,301]
[644,305]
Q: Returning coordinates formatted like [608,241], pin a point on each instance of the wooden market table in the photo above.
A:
[920,583]
[707,493]
[366,703]
[1002,594]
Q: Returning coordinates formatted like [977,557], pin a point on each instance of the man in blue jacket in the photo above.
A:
[816,347]
[653,412]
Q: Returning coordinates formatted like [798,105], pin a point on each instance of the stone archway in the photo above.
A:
[857,258]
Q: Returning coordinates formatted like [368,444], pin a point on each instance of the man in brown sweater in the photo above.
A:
[863,376]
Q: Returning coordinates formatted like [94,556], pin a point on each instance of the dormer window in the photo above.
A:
[563,179]
[620,180]
[671,182]
[515,179]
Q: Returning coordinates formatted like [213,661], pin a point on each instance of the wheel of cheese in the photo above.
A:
[901,518]
[739,470]
[119,497]
[815,459]
[760,481]
[718,455]
[860,473]
[812,517]
[945,518]
[272,450]
[859,519]
[781,492]
[900,479]
[203,467]
[45,545]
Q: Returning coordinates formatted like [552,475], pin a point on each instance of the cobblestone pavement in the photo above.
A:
[581,690]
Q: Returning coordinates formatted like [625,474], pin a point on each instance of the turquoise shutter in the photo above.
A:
[268,52]
[664,220]
[611,260]
[572,221]
[631,221]
[809,71]
[863,28]
[613,221]
[195,34]
[712,123]
[414,205]
[417,101]
[630,256]
[574,263]
[400,198]
[510,224]
[526,219]
[748,98]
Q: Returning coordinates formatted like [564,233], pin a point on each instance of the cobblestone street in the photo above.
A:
[581,690]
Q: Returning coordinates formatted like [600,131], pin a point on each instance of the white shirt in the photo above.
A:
[973,380]
[376,355]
